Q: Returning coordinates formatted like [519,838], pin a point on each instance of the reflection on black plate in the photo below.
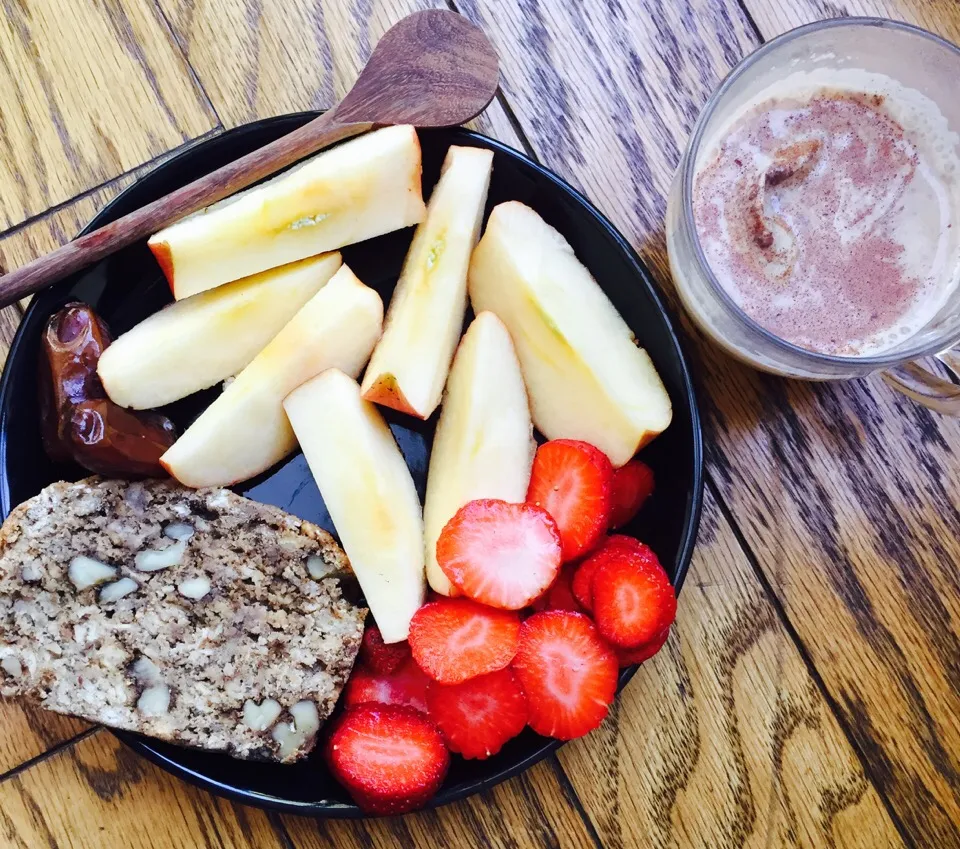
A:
[129,286]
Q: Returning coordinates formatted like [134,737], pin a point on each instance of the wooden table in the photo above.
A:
[810,694]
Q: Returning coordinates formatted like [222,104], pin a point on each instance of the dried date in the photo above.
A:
[79,422]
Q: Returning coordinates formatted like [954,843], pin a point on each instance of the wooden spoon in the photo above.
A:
[432,69]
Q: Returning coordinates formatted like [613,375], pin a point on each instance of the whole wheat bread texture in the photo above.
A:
[194,616]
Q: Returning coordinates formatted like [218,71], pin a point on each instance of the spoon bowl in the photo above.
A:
[432,69]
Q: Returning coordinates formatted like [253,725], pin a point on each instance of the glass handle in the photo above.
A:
[920,384]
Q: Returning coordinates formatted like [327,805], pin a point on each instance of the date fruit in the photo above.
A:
[79,422]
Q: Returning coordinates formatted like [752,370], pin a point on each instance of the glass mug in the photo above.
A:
[917,59]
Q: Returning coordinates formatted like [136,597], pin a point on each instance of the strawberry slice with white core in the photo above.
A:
[478,716]
[390,759]
[633,600]
[567,671]
[582,584]
[498,553]
[573,481]
[456,639]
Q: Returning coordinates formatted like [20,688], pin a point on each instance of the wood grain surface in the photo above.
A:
[88,90]
[534,809]
[257,58]
[772,17]
[809,694]
[97,793]
[841,492]
[33,239]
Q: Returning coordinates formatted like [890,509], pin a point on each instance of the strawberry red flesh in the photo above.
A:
[568,673]
[631,657]
[633,600]
[583,576]
[583,582]
[457,639]
[378,656]
[405,686]
[478,716]
[560,595]
[573,481]
[632,486]
[500,554]
[390,759]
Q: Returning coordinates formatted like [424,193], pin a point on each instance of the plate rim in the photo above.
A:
[323,809]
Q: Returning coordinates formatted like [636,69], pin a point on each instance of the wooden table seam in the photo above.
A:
[748,17]
[56,749]
[137,171]
[195,76]
[567,786]
[276,821]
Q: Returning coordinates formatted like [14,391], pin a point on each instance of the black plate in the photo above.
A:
[129,286]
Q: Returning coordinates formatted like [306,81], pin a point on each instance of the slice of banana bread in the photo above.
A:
[195,616]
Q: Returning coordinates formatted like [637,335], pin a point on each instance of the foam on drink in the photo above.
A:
[827,208]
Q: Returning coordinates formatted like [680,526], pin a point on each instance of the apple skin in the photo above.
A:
[586,377]
[484,445]
[354,191]
[369,493]
[245,431]
[410,363]
[197,342]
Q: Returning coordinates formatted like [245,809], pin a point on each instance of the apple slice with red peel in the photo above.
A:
[586,377]
[369,494]
[484,446]
[352,192]
[410,363]
[245,431]
[194,343]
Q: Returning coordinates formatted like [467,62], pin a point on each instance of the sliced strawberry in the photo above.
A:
[631,657]
[406,686]
[560,595]
[633,600]
[378,656]
[567,672]
[632,486]
[622,542]
[478,716]
[572,481]
[583,577]
[583,581]
[390,759]
[500,554]
[456,639]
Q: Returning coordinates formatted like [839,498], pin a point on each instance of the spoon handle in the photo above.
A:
[144,222]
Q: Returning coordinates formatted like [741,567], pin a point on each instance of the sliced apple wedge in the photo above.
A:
[245,431]
[197,342]
[585,375]
[410,363]
[357,190]
[484,445]
[369,493]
